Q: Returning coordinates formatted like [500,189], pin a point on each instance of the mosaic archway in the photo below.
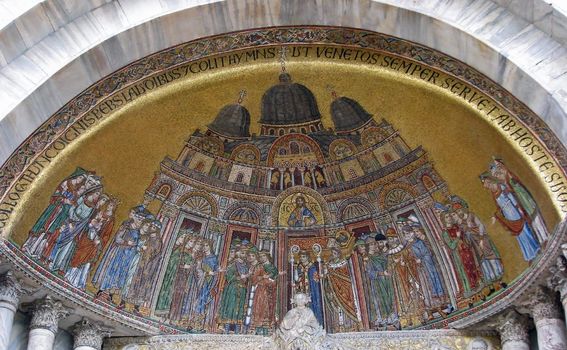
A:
[73,205]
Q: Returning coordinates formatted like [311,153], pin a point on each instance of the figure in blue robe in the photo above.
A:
[112,273]
[421,251]
[512,217]
[208,280]
[79,217]
[306,278]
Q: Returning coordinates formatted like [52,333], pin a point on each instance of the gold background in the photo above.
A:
[127,147]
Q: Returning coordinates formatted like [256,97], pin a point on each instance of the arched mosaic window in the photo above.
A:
[199,204]
[164,190]
[245,215]
[354,210]
[397,196]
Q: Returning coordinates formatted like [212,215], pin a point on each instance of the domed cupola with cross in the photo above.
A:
[348,115]
[289,107]
[232,121]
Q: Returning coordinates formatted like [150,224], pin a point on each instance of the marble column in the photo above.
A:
[10,292]
[547,317]
[513,328]
[558,280]
[46,314]
[88,335]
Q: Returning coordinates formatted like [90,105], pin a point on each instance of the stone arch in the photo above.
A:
[210,200]
[160,182]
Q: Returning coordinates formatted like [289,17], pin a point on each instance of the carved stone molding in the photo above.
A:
[11,289]
[513,326]
[46,314]
[90,334]
[543,304]
[557,281]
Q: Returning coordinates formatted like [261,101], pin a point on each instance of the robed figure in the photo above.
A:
[462,254]
[78,222]
[43,235]
[207,287]
[232,310]
[411,299]
[525,200]
[511,216]
[263,281]
[183,283]
[342,314]
[192,286]
[301,216]
[306,277]
[141,286]
[485,250]
[90,244]
[382,304]
[178,258]
[112,272]
[429,276]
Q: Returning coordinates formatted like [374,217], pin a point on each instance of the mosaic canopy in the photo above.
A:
[396,187]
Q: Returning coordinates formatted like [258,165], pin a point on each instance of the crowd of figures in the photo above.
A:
[192,279]
[402,280]
[74,234]
[190,284]
[72,231]
[405,274]
[517,210]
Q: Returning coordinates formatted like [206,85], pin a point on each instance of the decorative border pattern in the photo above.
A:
[63,119]
[345,340]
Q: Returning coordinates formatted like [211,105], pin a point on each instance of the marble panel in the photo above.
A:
[34,26]
[10,10]
[138,14]
[110,18]
[11,43]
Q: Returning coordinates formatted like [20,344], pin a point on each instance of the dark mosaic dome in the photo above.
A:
[232,121]
[288,103]
[348,114]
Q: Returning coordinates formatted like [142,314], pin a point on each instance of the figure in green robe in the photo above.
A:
[381,306]
[166,292]
[233,299]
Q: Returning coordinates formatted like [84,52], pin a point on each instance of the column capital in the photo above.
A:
[543,305]
[11,289]
[89,334]
[557,281]
[47,312]
[513,326]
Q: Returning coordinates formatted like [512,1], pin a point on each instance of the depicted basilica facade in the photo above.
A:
[238,224]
